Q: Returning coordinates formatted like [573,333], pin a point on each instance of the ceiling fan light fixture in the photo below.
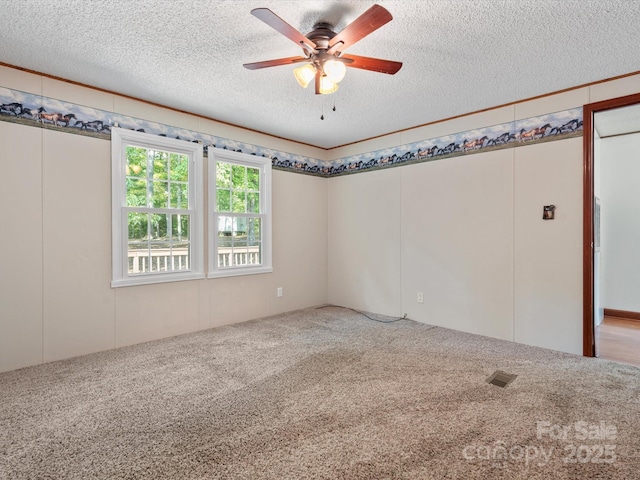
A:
[323,49]
[305,74]
[327,86]
[335,70]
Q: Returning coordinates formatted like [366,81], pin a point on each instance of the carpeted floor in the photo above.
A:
[321,393]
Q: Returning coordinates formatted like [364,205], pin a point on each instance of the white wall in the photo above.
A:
[21,247]
[364,241]
[619,185]
[548,253]
[469,234]
[457,243]
[55,249]
[466,231]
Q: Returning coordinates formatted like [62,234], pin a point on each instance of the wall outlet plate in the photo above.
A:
[420,297]
[279,291]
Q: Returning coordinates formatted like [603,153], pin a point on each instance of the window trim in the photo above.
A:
[247,160]
[120,139]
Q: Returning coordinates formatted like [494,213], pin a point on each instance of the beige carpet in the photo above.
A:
[321,394]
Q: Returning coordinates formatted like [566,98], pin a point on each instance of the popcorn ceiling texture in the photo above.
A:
[459,56]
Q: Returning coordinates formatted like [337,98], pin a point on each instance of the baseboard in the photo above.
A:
[610,312]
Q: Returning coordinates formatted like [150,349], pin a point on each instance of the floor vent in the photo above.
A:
[501,379]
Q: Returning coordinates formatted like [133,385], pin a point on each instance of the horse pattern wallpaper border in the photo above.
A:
[44,112]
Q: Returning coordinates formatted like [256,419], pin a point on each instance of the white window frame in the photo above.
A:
[120,139]
[253,161]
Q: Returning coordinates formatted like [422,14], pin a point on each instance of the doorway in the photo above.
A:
[612,114]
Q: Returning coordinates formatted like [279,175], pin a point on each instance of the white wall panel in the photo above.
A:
[552,103]
[150,312]
[457,243]
[620,253]
[71,93]
[548,253]
[138,109]
[614,88]
[299,241]
[78,299]
[20,246]
[364,241]
[19,80]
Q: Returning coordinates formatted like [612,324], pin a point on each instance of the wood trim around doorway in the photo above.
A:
[588,335]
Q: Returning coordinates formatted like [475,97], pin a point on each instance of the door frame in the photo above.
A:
[589,110]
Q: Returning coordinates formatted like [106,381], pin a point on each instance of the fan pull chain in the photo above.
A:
[333,109]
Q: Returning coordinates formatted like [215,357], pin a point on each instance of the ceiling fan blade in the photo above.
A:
[275,22]
[274,63]
[373,64]
[362,26]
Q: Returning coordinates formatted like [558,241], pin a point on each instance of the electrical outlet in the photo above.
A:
[420,297]
[279,291]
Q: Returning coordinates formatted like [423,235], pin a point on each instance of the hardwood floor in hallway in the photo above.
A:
[619,340]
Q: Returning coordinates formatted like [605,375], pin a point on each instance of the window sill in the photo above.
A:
[235,272]
[158,278]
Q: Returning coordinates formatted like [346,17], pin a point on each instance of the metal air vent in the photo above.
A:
[501,379]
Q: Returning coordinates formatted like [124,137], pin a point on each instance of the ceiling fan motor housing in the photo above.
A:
[321,34]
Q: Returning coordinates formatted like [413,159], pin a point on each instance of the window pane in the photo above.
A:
[160,165]
[253,203]
[160,195]
[253,179]
[255,253]
[179,228]
[136,192]
[179,167]
[138,247]
[160,257]
[239,201]
[240,252]
[224,241]
[225,227]
[136,162]
[159,224]
[180,256]
[223,175]
[239,177]
[223,199]
[137,223]
[253,231]
[179,195]
[138,257]
[239,227]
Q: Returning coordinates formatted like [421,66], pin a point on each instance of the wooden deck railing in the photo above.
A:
[167,260]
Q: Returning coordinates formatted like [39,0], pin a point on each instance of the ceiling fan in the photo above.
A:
[324,60]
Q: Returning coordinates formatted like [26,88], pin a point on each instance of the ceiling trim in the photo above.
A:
[517,102]
[173,109]
[35,110]
[72,82]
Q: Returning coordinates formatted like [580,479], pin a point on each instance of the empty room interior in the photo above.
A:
[422,266]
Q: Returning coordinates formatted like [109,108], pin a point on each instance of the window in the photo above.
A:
[240,214]
[157,209]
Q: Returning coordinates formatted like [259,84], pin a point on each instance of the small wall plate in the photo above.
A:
[548,212]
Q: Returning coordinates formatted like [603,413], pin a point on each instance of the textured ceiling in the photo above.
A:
[459,56]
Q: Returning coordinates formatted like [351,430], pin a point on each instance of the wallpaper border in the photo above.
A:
[50,113]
